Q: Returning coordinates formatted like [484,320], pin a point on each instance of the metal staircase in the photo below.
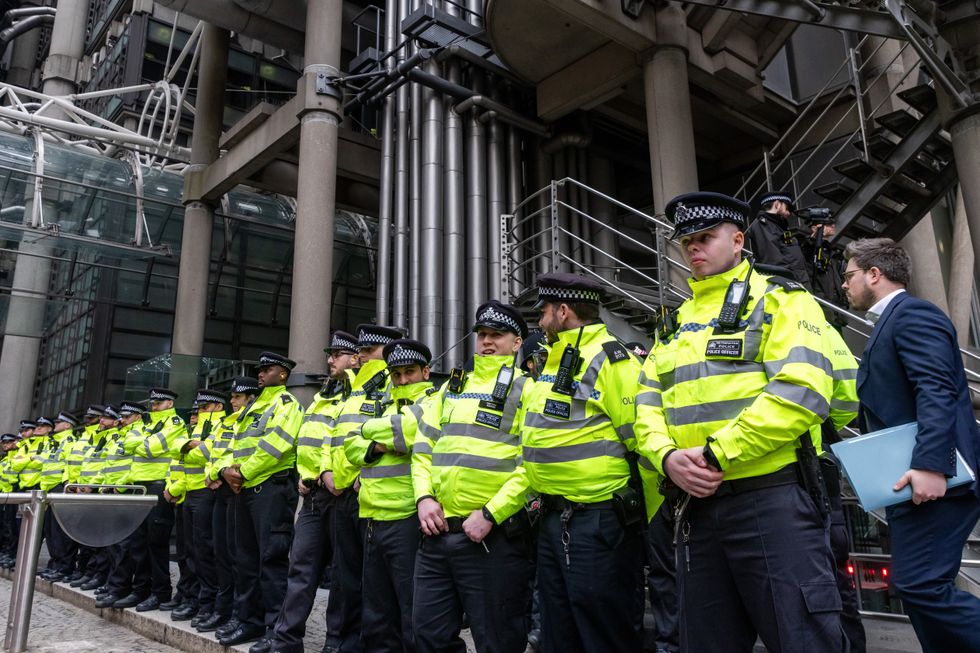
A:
[881,165]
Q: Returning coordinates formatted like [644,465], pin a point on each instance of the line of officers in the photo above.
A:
[557,474]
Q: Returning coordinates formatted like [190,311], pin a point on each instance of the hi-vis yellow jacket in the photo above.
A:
[357,409]
[576,446]
[754,391]
[386,479]
[314,435]
[265,443]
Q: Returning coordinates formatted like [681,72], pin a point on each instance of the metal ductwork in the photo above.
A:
[229,15]
[25,25]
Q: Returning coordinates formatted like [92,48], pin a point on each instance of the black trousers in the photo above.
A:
[144,564]
[307,558]
[61,548]
[10,529]
[840,545]
[223,534]
[591,600]
[491,585]
[757,563]
[198,509]
[344,602]
[96,561]
[187,586]
[264,526]
[662,580]
[389,563]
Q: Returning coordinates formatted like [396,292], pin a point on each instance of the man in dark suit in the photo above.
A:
[911,370]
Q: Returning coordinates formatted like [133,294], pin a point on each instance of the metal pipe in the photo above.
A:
[28,547]
[544,167]
[400,274]
[415,205]
[496,202]
[505,113]
[454,244]
[387,182]
[22,26]
[602,178]
[515,189]
[22,12]
[430,250]
[585,229]
[480,174]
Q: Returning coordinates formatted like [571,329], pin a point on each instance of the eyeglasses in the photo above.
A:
[851,273]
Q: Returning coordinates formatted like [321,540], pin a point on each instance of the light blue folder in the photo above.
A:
[874,463]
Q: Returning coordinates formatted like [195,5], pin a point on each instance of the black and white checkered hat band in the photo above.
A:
[368,339]
[685,214]
[131,409]
[70,419]
[269,360]
[209,398]
[94,411]
[244,388]
[404,356]
[492,316]
[44,421]
[339,342]
[156,395]
[26,424]
[111,412]
[569,294]
[766,199]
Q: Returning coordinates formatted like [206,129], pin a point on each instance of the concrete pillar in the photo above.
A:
[927,272]
[883,68]
[961,275]
[670,127]
[32,274]
[309,315]
[965,134]
[603,180]
[195,246]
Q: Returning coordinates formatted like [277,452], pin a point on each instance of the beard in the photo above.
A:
[862,300]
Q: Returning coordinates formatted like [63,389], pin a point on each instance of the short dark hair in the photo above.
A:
[884,254]
[585,311]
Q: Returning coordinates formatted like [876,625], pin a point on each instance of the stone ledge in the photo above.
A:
[155,625]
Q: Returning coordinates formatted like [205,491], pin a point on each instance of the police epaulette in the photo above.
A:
[285,398]
[431,391]
[615,351]
[786,284]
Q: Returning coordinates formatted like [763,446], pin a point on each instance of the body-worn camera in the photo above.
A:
[815,215]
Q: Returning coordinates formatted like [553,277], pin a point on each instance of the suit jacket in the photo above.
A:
[912,370]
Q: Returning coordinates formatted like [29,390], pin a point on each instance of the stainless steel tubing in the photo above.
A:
[400,273]
[479,176]
[454,271]
[430,252]
[387,182]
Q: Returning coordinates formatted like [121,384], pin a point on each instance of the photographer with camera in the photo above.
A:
[771,240]
[824,261]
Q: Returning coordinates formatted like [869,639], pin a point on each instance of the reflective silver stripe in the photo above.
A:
[512,404]
[574,452]
[89,472]
[316,418]
[112,470]
[287,438]
[800,395]
[649,399]
[648,382]
[428,430]
[800,355]
[52,472]
[645,463]
[709,411]
[307,441]
[176,468]
[422,448]
[386,471]
[590,376]
[244,452]
[625,432]
[354,418]
[269,449]
[469,461]
[702,369]
[542,421]
[848,406]
[337,441]
[479,432]
[397,434]
[752,340]
[193,470]
[75,463]
[251,433]
[849,374]
[147,459]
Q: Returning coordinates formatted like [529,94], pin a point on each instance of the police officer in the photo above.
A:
[227,602]
[735,391]
[381,450]
[311,538]
[61,548]
[145,562]
[471,490]
[825,266]
[339,476]
[264,454]
[8,483]
[770,239]
[578,447]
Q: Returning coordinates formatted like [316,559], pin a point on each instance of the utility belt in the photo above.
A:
[279,477]
[788,475]
[517,525]
[627,503]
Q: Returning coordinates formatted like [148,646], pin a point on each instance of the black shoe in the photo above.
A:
[242,634]
[152,602]
[92,584]
[229,627]
[130,601]
[173,603]
[107,600]
[101,589]
[184,612]
[75,576]
[211,624]
[78,582]
[53,577]
[202,615]
[264,645]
